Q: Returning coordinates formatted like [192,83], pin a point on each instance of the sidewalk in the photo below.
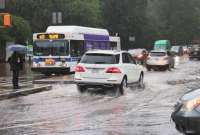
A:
[26,88]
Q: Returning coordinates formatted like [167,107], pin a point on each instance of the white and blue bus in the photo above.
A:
[60,47]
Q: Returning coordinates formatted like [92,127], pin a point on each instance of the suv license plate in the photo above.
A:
[95,71]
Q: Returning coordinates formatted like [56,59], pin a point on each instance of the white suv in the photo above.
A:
[102,68]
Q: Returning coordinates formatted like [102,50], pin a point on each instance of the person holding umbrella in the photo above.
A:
[16,65]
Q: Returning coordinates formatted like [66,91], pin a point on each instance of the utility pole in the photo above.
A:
[2,5]
[5,18]
[56,15]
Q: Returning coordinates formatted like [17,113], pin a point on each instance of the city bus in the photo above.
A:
[60,48]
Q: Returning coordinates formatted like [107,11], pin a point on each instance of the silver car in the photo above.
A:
[160,60]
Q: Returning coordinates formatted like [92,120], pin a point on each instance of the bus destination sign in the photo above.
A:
[50,36]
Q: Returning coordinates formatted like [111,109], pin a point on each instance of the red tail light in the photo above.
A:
[79,69]
[113,70]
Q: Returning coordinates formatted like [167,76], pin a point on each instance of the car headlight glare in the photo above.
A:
[190,105]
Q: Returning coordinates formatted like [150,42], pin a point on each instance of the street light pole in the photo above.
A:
[131,40]
[56,15]
[2,5]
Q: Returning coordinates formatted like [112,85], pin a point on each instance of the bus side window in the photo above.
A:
[76,48]
[113,45]
[67,48]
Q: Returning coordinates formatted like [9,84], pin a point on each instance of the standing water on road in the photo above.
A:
[65,111]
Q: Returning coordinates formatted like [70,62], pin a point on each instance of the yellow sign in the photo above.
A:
[50,36]
[41,36]
[54,36]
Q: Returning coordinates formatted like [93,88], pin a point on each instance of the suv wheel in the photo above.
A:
[141,80]
[81,89]
[123,85]
[119,90]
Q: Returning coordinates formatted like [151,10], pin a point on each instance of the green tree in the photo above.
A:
[128,18]
[18,33]
[74,12]
[79,12]
[21,30]
[177,20]
[37,12]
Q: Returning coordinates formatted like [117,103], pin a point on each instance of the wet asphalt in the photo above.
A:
[140,111]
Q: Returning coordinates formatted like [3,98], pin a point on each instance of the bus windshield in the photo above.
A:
[53,48]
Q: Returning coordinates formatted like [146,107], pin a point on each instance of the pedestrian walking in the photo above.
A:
[16,65]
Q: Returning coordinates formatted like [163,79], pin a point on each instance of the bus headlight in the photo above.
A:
[36,64]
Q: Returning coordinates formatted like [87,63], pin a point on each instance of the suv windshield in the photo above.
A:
[100,59]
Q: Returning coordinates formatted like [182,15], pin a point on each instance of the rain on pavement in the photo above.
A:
[65,111]
[26,76]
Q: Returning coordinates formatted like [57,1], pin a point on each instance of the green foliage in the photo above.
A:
[19,32]
[147,20]
[177,20]
[128,18]
[74,12]
[86,13]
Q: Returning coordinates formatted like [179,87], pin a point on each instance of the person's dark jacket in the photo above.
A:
[16,61]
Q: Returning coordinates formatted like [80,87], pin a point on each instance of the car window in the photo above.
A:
[117,57]
[131,59]
[126,58]
[100,59]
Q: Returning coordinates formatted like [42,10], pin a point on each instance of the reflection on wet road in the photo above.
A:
[65,111]
[5,70]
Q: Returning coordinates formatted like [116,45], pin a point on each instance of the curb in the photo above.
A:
[25,92]
[22,86]
[53,82]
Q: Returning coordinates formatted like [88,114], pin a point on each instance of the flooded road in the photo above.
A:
[65,111]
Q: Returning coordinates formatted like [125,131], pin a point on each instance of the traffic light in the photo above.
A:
[5,20]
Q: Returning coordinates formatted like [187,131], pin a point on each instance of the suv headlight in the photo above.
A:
[190,105]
